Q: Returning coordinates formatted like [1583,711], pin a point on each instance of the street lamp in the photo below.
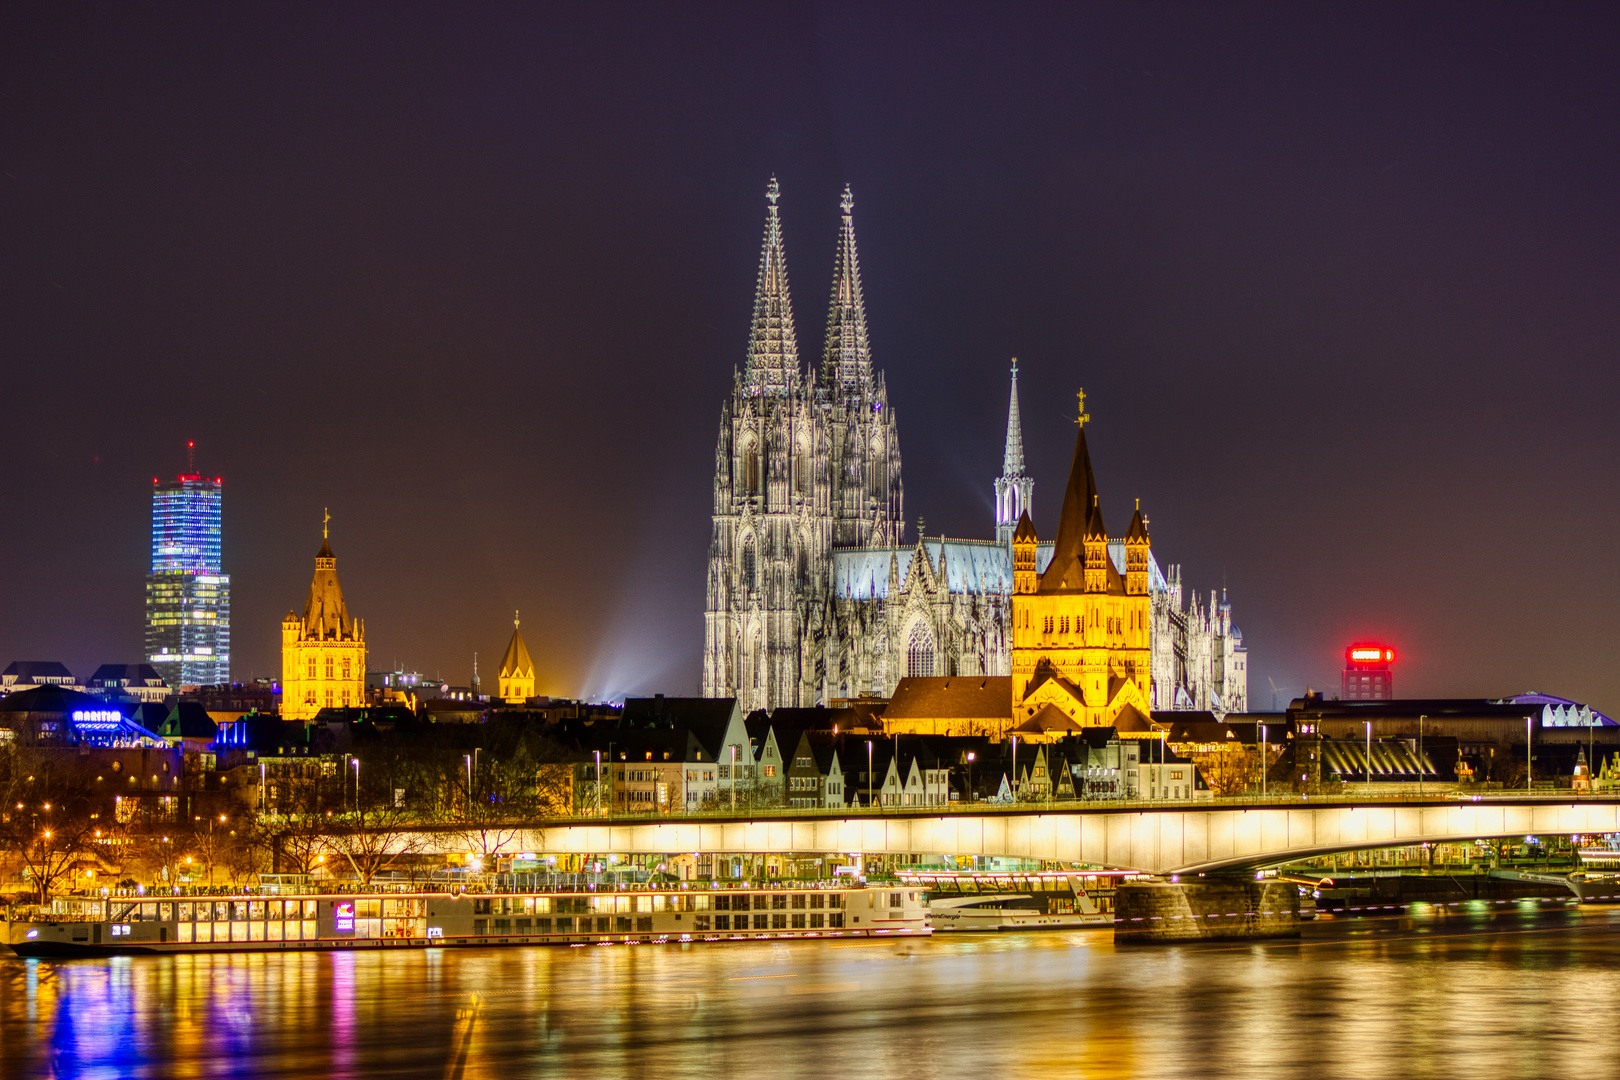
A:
[598,754]
[1369,757]
[869,774]
[1015,768]
[1528,757]
[1264,761]
[1420,754]
[970,797]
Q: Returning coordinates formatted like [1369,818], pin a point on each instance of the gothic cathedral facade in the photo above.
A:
[812,594]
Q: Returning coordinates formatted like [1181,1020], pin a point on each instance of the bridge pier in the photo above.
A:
[1211,909]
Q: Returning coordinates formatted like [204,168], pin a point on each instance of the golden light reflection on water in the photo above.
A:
[1520,993]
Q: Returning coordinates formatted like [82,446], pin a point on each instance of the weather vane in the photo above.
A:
[1084,416]
[326,522]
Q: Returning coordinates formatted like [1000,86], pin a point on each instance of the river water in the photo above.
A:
[1492,991]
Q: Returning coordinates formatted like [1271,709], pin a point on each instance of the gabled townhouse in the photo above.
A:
[807,774]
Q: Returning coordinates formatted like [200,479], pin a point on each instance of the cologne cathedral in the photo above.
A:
[813,595]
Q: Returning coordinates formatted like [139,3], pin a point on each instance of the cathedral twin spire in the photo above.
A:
[846,363]
[773,352]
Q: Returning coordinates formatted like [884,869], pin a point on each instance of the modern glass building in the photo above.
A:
[188,596]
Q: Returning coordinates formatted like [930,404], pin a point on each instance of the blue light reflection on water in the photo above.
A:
[1437,994]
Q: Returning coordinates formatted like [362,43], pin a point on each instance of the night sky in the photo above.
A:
[1342,285]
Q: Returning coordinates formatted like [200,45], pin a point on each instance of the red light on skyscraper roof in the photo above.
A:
[1366,652]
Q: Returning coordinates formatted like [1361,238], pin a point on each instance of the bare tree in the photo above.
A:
[49,818]
[373,838]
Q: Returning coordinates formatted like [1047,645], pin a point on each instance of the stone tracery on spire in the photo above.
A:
[773,350]
[846,361]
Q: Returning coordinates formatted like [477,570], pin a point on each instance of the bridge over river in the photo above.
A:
[1158,838]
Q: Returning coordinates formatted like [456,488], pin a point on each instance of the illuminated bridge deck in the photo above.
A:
[1158,838]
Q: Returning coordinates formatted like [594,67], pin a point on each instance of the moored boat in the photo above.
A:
[986,903]
[258,922]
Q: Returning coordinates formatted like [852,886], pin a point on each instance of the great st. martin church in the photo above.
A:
[812,595]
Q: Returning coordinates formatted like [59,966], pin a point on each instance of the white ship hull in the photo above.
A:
[300,922]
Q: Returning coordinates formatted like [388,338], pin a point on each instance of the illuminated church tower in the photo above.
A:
[517,670]
[1081,629]
[323,653]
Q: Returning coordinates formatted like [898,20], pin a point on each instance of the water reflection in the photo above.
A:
[1499,993]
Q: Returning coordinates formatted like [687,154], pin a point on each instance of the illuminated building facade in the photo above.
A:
[188,594]
[1367,676]
[323,652]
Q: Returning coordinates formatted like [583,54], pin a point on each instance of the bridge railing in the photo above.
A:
[757,813]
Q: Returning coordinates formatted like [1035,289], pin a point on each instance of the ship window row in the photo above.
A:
[626,924]
[274,930]
[648,903]
[234,910]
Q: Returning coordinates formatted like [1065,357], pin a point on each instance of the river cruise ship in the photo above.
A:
[283,922]
[1030,901]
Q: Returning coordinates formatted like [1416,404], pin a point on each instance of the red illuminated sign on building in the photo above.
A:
[1366,672]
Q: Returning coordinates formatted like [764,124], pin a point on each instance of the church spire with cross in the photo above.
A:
[1014,490]
[846,361]
[773,349]
[516,677]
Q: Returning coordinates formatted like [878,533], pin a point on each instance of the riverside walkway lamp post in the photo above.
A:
[1369,757]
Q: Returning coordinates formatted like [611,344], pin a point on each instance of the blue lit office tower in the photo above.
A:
[188,597]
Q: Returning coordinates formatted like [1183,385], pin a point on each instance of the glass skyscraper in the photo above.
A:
[188,596]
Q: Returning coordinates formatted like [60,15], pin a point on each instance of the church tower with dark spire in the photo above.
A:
[323,651]
[1081,628]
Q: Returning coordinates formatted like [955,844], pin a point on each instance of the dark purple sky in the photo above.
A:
[1342,283]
